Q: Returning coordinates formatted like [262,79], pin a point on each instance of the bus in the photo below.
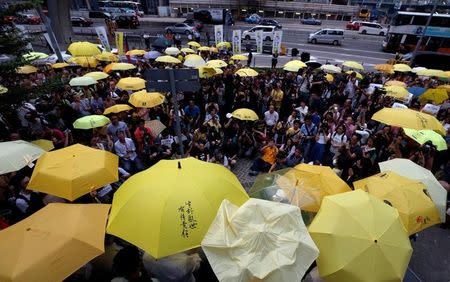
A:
[405,30]
[127,5]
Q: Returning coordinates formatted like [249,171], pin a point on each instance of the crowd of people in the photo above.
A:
[303,118]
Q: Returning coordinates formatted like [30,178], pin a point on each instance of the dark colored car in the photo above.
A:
[270,22]
[194,23]
[27,19]
[99,15]
[127,21]
[204,16]
[311,21]
[81,21]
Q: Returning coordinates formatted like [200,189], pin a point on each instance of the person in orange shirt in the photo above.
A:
[267,159]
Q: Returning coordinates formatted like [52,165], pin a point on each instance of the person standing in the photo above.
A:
[274,60]
[250,57]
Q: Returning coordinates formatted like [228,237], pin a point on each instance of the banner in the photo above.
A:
[237,41]
[101,33]
[119,42]
[218,33]
[259,41]
[278,34]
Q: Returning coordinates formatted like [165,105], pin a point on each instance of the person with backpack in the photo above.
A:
[337,138]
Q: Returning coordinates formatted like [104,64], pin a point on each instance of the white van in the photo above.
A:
[327,35]
[268,32]
[372,28]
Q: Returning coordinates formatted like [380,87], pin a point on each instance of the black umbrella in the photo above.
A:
[161,43]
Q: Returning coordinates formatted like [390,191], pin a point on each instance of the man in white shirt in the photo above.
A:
[271,116]
[126,150]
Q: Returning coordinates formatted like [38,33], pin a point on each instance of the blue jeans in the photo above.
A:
[260,165]
[317,152]
[132,165]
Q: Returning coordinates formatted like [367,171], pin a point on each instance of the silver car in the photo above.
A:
[327,35]
[180,28]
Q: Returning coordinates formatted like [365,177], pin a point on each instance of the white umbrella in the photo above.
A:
[331,69]
[194,61]
[173,51]
[15,155]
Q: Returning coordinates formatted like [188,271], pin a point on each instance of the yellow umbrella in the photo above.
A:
[410,197]
[3,89]
[445,86]
[107,57]
[15,155]
[120,67]
[239,58]
[206,72]
[60,65]
[204,48]
[259,241]
[34,56]
[194,61]
[306,185]
[223,44]
[245,114]
[27,69]
[216,64]
[168,60]
[74,171]
[117,109]
[246,72]
[213,50]
[329,77]
[395,83]
[294,65]
[136,52]
[131,83]
[402,68]
[360,238]
[432,72]
[436,95]
[144,99]
[92,121]
[85,62]
[386,68]
[353,65]
[46,145]
[194,44]
[83,48]
[52,243]
[358,75]
[187,50]
[182,201]
[408,118]
[397,92]
[97,75]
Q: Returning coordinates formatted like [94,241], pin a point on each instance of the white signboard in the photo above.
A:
[218,33]
[278,34]
[431,109]
[101,33]
[259,41]
[237,41]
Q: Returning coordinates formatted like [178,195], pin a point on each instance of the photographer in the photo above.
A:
[322,138]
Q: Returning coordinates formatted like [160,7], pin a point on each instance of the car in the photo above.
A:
[81,21]
[268,32]
[372,28]
[270,22]
[353,25]
[253,19]
[327,35]
[311,21]
[27,19]
[127,21]
[180,28]
[99,15]
[194,23]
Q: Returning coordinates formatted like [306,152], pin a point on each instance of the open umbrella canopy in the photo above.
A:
[85,62]
[107,57]
[395,83]
[416,90]
[131,83]
[194,44]
[52,243]
[432,73]
[117,109]
[168,60]
[331,69]
[173,51]
[294,65]
[183,200]
[245,114]
[97,75]
[353,65]
[445,86]
[83,48]
[360,238]
[144,99]
[3,89]
[358,75]
[60,65]
[436,95]
[259,241]
[402,68]
[329,77]
[194,61]
[409,169]
[410,197]
[398,92]
[239,58]
[34,56]
[187,50]
[27,69]
[204,48]
[14,155]
[92,121]
[417,69]
[152,55]
[385,68]
[425,135]
[122,66]
[82,81]
[74,171]
[46,145]
[246,72]
[136,52]
[206,72]
[408,118]
[223,44]
[161,43]
[216,64]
